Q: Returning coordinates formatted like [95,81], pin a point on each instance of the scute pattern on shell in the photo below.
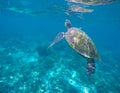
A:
[80,42]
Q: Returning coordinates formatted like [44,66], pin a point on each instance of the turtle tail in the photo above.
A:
[90,68]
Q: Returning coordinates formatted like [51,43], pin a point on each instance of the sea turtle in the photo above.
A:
[81,43]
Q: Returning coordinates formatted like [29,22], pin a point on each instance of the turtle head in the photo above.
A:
[67,23]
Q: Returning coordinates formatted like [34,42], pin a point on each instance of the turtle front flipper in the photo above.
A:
[57,39]
[90,68]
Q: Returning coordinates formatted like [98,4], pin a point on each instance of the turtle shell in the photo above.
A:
[81,43]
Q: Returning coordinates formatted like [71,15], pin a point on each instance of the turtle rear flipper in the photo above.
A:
[57,39]
[90,68]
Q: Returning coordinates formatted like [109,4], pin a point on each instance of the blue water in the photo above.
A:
[27,27]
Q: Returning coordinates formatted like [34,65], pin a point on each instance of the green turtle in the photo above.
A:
[81,43]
